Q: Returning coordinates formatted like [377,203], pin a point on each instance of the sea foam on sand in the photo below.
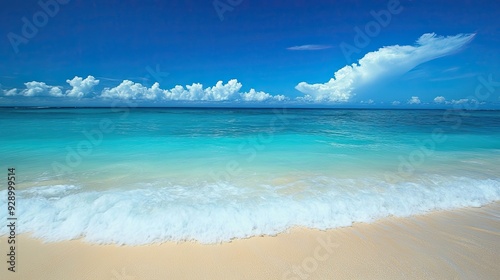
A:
[213,213]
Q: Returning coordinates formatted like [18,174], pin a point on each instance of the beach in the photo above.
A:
[233,139]
[458,244]
[162,193]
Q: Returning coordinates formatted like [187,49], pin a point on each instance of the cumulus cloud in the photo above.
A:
[414,100]
[81,87]
[439,99]
[220,92]
[191,92]
[195,92]
[41,89]
[378,66]
[254,95]
[396,103]
[130,90]
[309,47]
[34,88]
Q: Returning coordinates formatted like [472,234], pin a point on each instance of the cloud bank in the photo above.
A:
[128,90]
[380,65]
[374,68]
[442,100]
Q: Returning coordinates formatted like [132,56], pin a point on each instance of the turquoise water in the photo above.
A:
[146,175]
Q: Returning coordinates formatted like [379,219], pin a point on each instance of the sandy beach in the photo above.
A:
[459,244]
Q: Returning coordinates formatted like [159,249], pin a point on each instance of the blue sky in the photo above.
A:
[264,53]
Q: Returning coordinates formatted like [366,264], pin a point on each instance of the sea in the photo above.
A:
[138,176]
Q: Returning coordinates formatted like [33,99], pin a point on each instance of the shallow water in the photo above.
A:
[144,175]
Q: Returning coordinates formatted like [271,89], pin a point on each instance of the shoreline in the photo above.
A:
[456,244]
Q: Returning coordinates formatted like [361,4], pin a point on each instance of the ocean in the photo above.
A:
[136,176]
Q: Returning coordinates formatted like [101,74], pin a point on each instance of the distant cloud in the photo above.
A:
[462,101]
[195,92]
[414,100]
[128,90]
[81,87]
[380,65]
[439,99]
[375,67]
[253,95]
[41,89]
[442,100]
[309,48]
[10,92]
[220,92]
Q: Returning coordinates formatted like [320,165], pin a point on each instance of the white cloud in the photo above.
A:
[442,100]
[10,92]
[130,90]
[396,103]
[382,64]
[439,99]
[81,87]
[309,47]
[195,92]
[460,101]
[222,92]
[414,100]
[191,92]
[259,96]
[41,89]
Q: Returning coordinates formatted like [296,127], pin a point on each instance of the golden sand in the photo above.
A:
[459,244]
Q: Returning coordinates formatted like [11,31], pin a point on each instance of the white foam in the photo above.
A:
[221,212]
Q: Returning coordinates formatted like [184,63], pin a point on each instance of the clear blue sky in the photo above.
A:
[281,49]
